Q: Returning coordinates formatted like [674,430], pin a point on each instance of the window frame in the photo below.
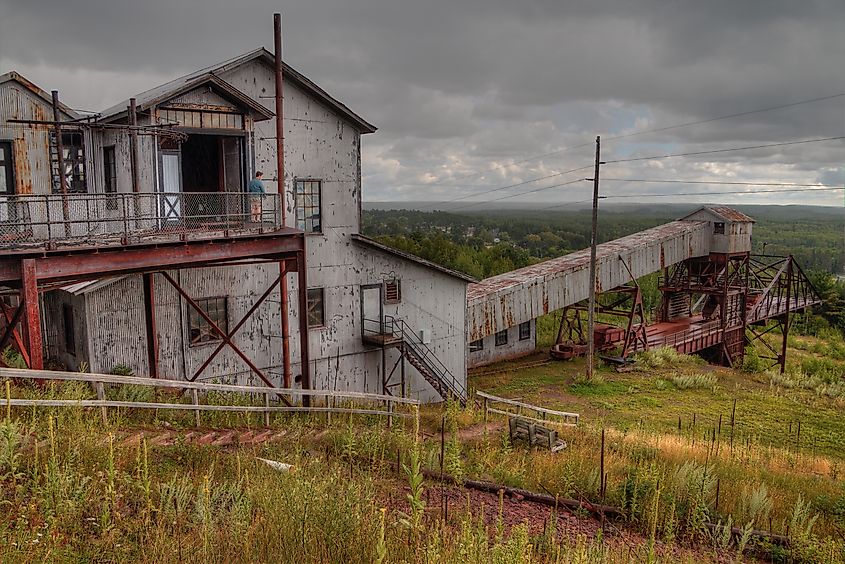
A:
[193,315]
[501,338]
[110,176]
[525,336]
[476,346]
[302,223]
[388,300]
[309,307]
[77,176]
[8,165]
[718,227]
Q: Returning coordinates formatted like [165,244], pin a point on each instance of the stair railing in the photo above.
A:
[399,328]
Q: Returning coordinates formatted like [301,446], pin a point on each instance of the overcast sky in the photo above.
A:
[463,92]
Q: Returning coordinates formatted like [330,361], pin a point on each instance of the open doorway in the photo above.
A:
[212,166]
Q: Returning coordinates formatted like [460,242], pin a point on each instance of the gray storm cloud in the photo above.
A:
[463,89]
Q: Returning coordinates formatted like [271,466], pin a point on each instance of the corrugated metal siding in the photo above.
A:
[31,144]
[515,297]
[116,326]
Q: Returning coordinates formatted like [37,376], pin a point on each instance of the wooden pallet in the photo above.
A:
[534,434]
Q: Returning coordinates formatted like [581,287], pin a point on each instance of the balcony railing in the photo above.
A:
[55,220]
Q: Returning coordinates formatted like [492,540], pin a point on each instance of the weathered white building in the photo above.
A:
[207,134]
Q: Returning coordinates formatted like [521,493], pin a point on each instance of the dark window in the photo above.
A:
[217,309]
[392,291]
[70,330]
[476,346]
[73,154]
[7,175]
[316,308]
[308,196]
[525,331]
[502,338]
[719,228]
[110,176]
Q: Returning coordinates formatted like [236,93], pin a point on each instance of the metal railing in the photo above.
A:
[53,220]
[411,339]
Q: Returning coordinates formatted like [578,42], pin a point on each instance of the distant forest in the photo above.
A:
[496,241]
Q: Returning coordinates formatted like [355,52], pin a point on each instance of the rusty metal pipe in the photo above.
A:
[280,186]
[60,160]
[133,144]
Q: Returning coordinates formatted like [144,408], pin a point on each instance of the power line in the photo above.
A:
[654,181]
[740,114]
[825,189]
[712,151]
[521,193]
[517,184]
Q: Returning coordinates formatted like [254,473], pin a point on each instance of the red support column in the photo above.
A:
[29,280]
[303,325]
[150,323]
[283,292]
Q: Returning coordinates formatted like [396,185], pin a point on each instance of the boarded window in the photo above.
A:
[200,330]
[110,176]
[476,346]
[392,291]
[308,196]
[502,338]
[73,155]
[719,228]
[69,329]
[525,331]
[316,308]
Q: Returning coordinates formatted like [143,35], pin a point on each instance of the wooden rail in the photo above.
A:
[98,382]
[542,412]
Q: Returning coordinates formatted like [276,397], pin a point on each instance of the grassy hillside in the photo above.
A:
[149,487]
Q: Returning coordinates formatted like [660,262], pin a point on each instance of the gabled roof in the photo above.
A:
[372,243]
[160,95]
[726,213]
[14,76]
[177,86]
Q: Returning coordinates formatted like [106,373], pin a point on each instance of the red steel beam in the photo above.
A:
[33,315]
[217,330]
[11,331]
[285,307]
[303,325]
[150,323]
[234,330]
[115,261]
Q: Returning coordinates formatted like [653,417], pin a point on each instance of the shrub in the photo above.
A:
[694,381]
[664,357]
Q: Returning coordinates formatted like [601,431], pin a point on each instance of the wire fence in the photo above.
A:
[53,220]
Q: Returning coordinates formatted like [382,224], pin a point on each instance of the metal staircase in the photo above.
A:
[395,332]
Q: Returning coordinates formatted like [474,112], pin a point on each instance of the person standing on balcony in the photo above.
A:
[256,194]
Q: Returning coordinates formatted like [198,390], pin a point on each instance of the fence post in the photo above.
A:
[390,414]
[330,406]
[101,395]
[196,401]
[485,410]
[267,409]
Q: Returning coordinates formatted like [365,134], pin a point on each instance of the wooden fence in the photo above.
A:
[368,404]
[514,408]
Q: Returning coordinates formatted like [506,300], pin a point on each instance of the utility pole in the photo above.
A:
[591,309]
